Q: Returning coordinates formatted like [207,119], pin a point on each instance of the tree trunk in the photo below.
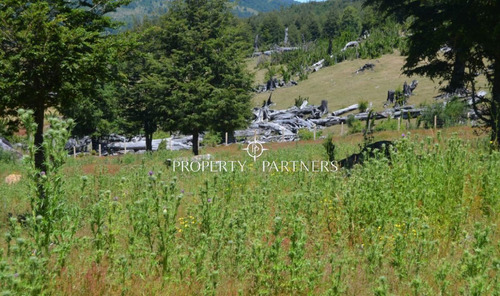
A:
[195,143]
[39,153]
[330,46]
[458,73]
[149,142]
[495,105]
[149,128]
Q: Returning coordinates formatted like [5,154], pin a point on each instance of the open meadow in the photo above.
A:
[341,86]
[425,223]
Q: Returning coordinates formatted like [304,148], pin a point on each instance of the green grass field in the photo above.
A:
[341,87]
[425,224]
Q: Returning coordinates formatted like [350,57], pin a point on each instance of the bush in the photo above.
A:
[6,156]
[306,134]
[300,100]
[286,74]
[449,115]
[363,106]
[354,125]
[211,139]
[386,125]
[329,147]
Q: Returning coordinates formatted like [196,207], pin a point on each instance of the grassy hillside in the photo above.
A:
[341,87]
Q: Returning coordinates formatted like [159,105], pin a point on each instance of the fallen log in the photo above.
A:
[345,110]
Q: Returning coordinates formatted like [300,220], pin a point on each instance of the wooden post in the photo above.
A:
[125,146]
[435,122]
[100,150]
[314,132]
[226,138]
[341,128]
[468,118]
[74,151]
[399,123]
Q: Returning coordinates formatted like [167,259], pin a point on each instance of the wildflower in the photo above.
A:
[209,200]
[164,211]
[403,135]
[16,274]
[42,173]
[150,173]
[115,198]
[180,230]
[182,191]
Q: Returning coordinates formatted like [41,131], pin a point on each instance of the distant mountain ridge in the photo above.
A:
[138,9]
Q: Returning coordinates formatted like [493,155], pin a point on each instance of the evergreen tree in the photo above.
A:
[146,97]
[209,83]
[351,21]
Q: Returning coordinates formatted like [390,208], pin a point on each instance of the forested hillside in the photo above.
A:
[138,9]
[314,20]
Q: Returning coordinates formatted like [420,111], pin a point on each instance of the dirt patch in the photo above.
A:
[12,179]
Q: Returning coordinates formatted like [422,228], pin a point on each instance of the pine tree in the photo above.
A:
[209,83]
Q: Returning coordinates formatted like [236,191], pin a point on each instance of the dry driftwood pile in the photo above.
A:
[116,144]
[282,125]
[6,146]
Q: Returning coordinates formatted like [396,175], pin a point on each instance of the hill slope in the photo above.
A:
[138,9]
[341,87]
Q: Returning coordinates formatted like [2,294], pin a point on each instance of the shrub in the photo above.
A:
[354,125]
[363,106]
[329,147]
[6,156]
[306,134]
[286,74]
[300,100]
[211,139]
[449,115]
[386,125]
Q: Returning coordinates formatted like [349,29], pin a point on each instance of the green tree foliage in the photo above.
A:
[350,21]
[331,28]
[52,54]
[146,97]
[271,30]
[209,81]
[472,31]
